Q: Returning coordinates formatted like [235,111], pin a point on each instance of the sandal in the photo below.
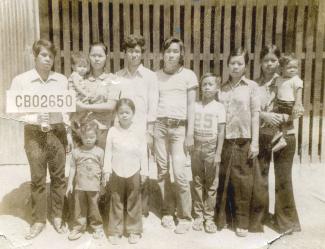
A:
[35,230]
[167,221]
[58,226]
[197,224]
[240,232]
[210,226]
[134,238]
[114,239]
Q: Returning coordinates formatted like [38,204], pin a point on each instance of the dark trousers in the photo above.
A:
[125,190]
[46,149]
[260,199]
[86,205]
[205,180]
[285,212]
[236,174]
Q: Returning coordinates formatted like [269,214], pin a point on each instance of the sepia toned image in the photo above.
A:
[149,124]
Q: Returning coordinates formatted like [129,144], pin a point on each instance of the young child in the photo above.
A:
[209,125]
[86,171]
[125,157]
[86,92]
[288,97]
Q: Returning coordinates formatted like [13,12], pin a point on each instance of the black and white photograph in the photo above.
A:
[153,124]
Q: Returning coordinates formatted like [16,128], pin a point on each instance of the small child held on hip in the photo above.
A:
[209,126]
[86,171]
[125,157]
[288,98]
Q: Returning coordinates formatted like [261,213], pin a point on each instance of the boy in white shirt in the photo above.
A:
[209,125]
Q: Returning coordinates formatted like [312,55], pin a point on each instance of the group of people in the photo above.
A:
[231,134]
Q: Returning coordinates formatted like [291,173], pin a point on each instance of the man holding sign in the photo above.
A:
[45,135]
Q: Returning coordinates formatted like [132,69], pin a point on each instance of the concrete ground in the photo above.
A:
[309,186]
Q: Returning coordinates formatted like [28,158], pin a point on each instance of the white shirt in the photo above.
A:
[287,88]
[207,118]
[125,152]
[173,90]
[142,88]
[31,80]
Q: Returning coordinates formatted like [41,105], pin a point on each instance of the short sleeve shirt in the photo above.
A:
[89,165]
[107,82]
[173,92]
[207,118]
[287,87]
[31,80]
[240,102]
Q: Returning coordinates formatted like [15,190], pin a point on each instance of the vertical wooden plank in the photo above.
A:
[44,19]
[248,31]
[217,37]
[66,37]
[207,37]
[166,20]
[226,39]
[187,33]
[116,32]
[136,17]
[305,157]
[197,38]
[290,26]
[258,37]
[126,17]
[56,34]
[94,18]
[156,35]
[177,25]
[298,52]
[269,22]
[75,25]
[85,27]
[321,31]
[146,32]
[318,82]
[239,23]
[279,23]
[106,28]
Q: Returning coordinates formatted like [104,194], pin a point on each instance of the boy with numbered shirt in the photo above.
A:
[209,125]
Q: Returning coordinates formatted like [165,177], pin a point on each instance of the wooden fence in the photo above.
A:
[209,29]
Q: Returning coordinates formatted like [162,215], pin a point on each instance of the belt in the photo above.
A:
[52,127]
[172,122]
[202,143]
[239,141]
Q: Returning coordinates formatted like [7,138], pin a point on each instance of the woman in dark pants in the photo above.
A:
[285,216]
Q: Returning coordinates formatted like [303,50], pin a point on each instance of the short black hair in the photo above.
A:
[208,74]
[171,40]
[125,101]
[239,51]
[131,41]
[99,44]
[270,48]
[286,58]
[45,44]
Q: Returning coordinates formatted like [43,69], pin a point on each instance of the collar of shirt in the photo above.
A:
[101,77]
[35,77]
[243,81]
[268,84]
[139,72]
